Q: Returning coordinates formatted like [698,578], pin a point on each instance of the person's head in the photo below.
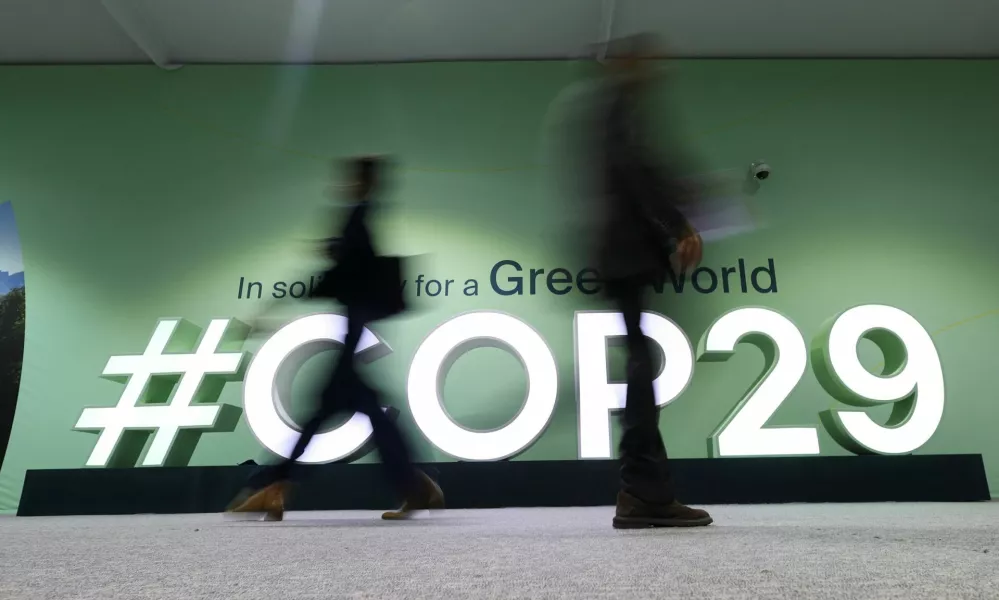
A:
[632,56]
[364,176]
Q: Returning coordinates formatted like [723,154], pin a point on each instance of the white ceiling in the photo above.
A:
[340,31]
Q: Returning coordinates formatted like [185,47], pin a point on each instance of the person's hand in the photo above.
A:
[689,250]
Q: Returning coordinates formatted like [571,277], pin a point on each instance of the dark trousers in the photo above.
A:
[645,470]
[347,392]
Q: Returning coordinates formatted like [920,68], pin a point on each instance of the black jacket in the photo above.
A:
[639,220]
[354,246]
[360,278]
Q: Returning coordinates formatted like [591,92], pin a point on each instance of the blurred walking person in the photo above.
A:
[370,288]
[638,233]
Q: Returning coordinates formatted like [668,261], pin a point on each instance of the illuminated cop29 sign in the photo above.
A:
[912,382]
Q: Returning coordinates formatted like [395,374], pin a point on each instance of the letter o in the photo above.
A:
[426,378]
[262,403]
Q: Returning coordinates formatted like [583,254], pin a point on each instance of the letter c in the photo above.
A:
[265,414]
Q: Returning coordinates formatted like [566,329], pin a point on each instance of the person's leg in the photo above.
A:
[647,496]
[266,489]
[415,487]
[392,446]
[284,470]
[333,399]
[644,464]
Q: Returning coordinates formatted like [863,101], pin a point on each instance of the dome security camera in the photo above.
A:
[759,170]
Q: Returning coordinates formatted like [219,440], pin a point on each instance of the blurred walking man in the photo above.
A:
[370,288]
[639,232]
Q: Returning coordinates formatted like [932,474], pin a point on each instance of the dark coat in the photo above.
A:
[638,221]
[360,278]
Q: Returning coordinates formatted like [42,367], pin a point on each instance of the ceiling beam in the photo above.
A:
[135,25]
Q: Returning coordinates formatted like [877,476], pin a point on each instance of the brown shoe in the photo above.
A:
[633,513]
[428,496]
[269,500]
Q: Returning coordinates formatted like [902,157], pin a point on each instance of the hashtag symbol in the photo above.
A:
[146,404]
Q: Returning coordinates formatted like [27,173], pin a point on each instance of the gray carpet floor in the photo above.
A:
[904,551]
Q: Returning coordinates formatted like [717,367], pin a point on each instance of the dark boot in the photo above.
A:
[268,501]
[633,513]
[426,496]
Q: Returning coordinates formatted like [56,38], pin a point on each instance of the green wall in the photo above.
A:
[142,194]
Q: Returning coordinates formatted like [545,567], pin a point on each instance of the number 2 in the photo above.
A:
[743,432]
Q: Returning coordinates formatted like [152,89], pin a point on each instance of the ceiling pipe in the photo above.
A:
[124,13]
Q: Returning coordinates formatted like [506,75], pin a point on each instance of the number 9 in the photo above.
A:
[912,379]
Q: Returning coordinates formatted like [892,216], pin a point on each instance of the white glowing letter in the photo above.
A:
[429,367]
[597,398]
[265,412]
[912,380]
[743,433]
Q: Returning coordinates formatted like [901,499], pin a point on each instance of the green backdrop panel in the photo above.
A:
[142,194]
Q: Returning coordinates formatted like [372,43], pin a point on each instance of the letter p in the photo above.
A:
[596,397]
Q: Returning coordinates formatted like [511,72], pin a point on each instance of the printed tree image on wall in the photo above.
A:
[11,322]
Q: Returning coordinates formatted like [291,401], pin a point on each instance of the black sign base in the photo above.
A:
[945,478]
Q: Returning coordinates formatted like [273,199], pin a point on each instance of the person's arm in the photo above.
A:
[631,164]
[665,193]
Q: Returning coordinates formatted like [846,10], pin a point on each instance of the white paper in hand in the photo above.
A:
[723,210]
